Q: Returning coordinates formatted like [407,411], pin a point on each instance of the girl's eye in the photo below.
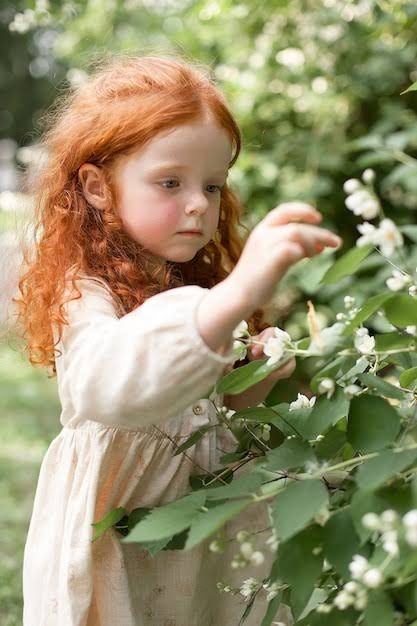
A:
[170,180]
[167,185]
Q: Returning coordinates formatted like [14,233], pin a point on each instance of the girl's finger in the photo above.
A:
[293,212]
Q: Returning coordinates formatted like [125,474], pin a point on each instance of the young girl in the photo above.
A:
[130,294]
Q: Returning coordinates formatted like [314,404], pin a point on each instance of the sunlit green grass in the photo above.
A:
[29,420]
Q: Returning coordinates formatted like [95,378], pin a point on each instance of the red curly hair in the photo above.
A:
[126,102]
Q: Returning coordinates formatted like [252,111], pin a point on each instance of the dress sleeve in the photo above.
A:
[141,368]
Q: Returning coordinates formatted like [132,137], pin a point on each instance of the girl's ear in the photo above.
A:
[94,185]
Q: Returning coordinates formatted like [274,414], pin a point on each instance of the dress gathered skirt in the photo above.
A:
[132,388]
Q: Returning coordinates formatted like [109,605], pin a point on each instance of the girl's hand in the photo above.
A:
[256,352]
[288,233]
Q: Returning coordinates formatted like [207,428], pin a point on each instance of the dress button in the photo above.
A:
[197,409]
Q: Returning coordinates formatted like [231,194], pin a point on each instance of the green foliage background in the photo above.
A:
[315,87]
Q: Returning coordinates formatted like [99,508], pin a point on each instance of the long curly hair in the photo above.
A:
[124,104]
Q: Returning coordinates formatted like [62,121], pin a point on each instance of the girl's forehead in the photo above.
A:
[188,143]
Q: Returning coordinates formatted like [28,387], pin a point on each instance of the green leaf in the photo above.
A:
[331,370]
[243,486]
[271,611]
[364,502]
[168,520]
[296,506]
[391,341]
[346,264]
[408,377]
[256,414]
[114,516]
[208,522]
[374,472]
[192,440]
[292,454]
[244,377]
[299,566]
[373,423]
[412,87]
[339,553]
[369,308]
[379,609]
[401,310]
[326,412]
[331,445]
[376,383]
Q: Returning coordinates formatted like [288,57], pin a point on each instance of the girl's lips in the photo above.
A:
[190,232]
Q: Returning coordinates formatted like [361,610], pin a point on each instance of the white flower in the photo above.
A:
[242,535]
[368,176]
[369,234]
[239,350]
[391,547]
[412,290]
[266,432]
[257,558]
[351,587]
[351,185]
[324,608]
[246,549]
[302,402]
[272,541]
[389,237]
[371,521]
[389,518]
[363,203]
[352,390]
[411,330]
[275,346]
[358,566]
[343,600]
[272,590]
[361,602]
[411,536]
[398,281]
[349,301]
[241,330]
[364,343]
[410,519]
[327,385]
[372,578]
[248,586]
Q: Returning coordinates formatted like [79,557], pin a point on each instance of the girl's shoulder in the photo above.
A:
[92,287]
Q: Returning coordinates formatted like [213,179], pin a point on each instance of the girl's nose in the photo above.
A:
[196,203]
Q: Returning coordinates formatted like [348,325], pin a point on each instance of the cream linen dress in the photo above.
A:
[131,387]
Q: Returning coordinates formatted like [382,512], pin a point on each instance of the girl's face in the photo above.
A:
[173,185]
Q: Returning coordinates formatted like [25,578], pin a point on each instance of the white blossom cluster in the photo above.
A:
[386,236]
[361,198]
[402,280]
[363,341]
[250,585]
[363,201]
[247,555]
[390,528]
[274,347]
[302,402]
[239,347]
[31,18]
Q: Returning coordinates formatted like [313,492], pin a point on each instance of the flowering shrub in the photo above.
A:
[338,469]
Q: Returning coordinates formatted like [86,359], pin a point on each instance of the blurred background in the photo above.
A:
[316,88]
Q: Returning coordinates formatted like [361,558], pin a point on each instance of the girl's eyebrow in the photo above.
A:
[178,166]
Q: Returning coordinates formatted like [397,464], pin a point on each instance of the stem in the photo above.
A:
[337,466]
